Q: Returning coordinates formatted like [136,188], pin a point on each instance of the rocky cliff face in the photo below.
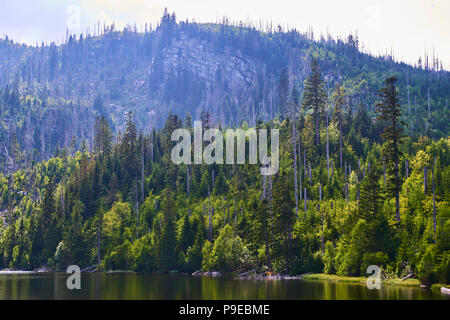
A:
[219,74]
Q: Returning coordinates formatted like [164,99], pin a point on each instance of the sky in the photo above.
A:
[407,27]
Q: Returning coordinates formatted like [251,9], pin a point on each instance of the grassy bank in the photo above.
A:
[336,278]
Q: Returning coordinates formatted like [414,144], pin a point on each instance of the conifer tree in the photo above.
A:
[283,217]
[103,137]
[390,114]
[314,96]
[260,234]
[283,93]
[129,149]
[339,100]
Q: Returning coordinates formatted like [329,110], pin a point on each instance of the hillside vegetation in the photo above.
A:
[51,94]
[87,177]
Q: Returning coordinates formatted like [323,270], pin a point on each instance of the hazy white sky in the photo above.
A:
[409,27]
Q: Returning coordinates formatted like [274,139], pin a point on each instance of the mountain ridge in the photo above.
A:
[186,67]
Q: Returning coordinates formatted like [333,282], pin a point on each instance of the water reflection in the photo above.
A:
[156,286]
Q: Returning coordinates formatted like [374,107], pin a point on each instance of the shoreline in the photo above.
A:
[362,280]
[17,272]
[306,277]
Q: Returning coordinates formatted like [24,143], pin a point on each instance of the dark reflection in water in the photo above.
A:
[156,287]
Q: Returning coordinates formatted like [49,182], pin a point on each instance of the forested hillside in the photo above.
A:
[86,175]
[50,95]
[349,193]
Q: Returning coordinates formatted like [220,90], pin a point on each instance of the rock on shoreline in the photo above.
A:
[207,274]
[251,275]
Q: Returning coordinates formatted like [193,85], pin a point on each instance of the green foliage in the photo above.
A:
[131,205]
[228,253]
[379,259]
[329,257]
[314,96]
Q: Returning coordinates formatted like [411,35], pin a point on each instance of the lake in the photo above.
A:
[130,286]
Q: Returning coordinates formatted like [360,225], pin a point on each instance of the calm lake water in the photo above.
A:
[49,286]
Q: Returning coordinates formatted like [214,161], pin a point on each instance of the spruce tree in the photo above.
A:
[339,100]
[283,93]
[130,161]
[260,229]
[283,218]
[103,137]
[390,114]
[186,238]
[314,96]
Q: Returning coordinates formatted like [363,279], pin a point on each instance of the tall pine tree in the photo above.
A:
[390,114]
[314,96]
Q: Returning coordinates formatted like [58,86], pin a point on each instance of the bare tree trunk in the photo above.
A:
[332,170]
[407,173]
[340,139]
[328,152]
[397,191]
[304,163]
[137,210]
[407,94]
[264,186]
[306,205]
[209,216]
[309,172]
[300,169]
[224,214]
[151,146]
[295,167]
[425,180]
[187,179]
[321,236]
[409,101]
[98,245]
[228,209]
[270,190]
[320,197]
[357,193]
[142,175]
[317,130]
[407,168]
[346,191]
[235,210]
[345,171]
[434,199]
[269,260]
[261,197]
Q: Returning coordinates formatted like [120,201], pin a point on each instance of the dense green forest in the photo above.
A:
[51,94]
[351,191]
[86,175]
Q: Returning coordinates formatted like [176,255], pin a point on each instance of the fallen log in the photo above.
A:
[245,273]
[411,275]
[89,269]
[197,273]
